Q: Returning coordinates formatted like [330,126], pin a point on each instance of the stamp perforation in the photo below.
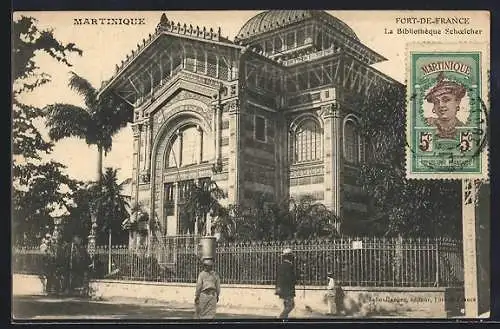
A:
[460,48]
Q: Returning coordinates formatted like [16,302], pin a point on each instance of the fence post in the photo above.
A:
[109,252]
[437,262]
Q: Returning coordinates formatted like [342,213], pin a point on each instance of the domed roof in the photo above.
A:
[274,19]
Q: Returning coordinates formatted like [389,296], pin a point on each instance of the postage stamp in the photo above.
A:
[447,112]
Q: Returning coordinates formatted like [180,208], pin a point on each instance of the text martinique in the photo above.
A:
[447,31]
[109,21]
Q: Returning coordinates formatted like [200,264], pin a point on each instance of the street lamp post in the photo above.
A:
[92,235]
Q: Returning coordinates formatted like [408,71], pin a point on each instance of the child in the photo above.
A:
[339,298]
[330,294]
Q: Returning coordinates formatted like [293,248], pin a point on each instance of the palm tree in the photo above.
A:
[203,200]
[96,122]
[311,219]
[111,206]
[111,203]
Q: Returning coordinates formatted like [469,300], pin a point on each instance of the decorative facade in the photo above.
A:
[274,112]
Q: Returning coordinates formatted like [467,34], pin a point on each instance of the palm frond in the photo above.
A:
[120,111]
[112,115]
[125,183]
[84,88]
[66,120]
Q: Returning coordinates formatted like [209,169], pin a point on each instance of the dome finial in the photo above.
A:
[163,19]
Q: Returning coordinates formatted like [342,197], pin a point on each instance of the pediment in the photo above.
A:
[181,90]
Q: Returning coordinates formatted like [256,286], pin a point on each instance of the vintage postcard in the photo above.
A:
[447,114]
[250,165]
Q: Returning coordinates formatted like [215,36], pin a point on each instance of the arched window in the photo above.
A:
[353,152]
[307,141]
[187,147]
[278,44]
[190,137]
[174,152]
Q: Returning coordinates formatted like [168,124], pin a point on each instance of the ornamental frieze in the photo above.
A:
[136,129]
[304,172]
[194,174]
[201,79]
[330,110]
[316,195]
[166,113]
[144,187]
[233,107]
[309,180]
[184,94]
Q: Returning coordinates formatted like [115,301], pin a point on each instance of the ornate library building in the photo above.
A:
[273,114]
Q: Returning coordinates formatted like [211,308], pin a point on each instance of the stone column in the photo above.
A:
[332,155]
[217,67]
[218,132]
[199,145]
[176,210]
[136,129]
[178,152]
[234,152]
[147,147]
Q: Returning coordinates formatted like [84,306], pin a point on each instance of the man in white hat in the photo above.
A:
[285,283]
[207,291]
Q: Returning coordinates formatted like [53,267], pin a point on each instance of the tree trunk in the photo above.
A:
[196,226]
[99,162]
[208,225]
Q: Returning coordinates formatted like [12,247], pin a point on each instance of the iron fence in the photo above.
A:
[374,262]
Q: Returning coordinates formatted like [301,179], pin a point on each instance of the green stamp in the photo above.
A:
[446,118]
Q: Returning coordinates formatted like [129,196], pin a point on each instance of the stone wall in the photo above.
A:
[258,157]
[438,302]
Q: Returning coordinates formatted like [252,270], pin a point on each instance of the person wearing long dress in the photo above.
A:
[207,291]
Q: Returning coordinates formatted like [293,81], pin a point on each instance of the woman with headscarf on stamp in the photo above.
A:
[207,291]
[445,96]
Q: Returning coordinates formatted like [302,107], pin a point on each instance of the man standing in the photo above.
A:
[285,283]
[207,291]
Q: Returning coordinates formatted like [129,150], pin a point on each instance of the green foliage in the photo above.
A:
[39,187]
[65,265]
[96,123]
[203,200]
[27,41]
[111,205]
[289,219]
[399,205]
[106,197]
[77,222]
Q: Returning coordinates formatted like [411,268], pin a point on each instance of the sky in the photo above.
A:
[104,46]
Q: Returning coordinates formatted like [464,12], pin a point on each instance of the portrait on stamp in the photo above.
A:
[445,97]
